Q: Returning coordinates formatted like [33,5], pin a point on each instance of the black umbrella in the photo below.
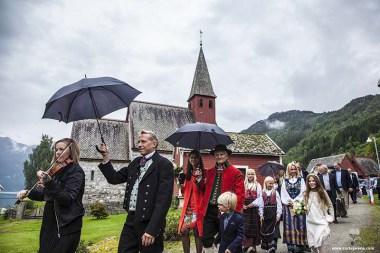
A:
[270,168]
[199,136]
[89,98]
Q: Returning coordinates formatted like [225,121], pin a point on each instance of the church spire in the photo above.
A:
[201,81]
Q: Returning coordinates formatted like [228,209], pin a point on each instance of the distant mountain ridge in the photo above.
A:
[305,135]
[12,157]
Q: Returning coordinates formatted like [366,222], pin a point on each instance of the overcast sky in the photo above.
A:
[263,56]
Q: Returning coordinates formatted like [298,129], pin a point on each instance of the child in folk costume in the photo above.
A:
[252,211]
[270,227]
[190,218]
[294,234]
[231,225]
[320,213]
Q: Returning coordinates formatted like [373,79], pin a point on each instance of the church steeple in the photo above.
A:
[201,81]
[202,97]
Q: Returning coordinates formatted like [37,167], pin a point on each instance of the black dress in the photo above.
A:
[63,212]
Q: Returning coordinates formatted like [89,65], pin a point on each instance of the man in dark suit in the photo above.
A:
[355,185]
[343,180]
[149,189]
[328,182]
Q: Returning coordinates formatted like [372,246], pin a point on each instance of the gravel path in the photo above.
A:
[340,240]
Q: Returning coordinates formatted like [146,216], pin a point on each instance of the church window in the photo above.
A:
[210,105]
[200,102]
[92,175]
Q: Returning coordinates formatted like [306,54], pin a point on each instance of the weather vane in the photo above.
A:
[200,35]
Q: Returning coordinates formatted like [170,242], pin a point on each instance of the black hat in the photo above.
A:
[221,147]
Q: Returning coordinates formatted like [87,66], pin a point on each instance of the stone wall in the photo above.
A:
[98,189]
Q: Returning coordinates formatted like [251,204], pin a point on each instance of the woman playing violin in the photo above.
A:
[62,188]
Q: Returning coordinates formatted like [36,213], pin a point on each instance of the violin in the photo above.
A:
[53,169]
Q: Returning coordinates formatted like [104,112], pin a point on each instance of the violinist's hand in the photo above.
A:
[43,177]
[103,150]
[22,194]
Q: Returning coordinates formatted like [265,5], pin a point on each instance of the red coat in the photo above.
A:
[232,180]
[191,190]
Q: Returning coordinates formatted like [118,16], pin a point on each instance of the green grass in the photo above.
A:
[369,236]
[22,236]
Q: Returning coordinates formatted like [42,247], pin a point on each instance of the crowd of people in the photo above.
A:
[223,208]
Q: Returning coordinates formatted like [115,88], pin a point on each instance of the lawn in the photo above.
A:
[22,236]
[369,236]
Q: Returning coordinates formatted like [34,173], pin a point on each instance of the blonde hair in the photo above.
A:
[288,168]
[268,178]
[73,149]
[228,199]
[250,185]
[153,136]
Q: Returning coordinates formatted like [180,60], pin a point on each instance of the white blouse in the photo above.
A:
[285,198]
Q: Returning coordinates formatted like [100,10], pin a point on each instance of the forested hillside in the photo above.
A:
[305,135]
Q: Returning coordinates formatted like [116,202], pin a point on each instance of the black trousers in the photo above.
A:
[64,244]
[210,225]
[333,201]
[130,238]
[353,196]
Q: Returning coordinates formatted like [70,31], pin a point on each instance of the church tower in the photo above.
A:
[201,101]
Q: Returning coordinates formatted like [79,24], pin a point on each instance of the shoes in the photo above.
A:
[336,221]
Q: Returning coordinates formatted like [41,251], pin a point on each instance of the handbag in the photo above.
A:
[329,218]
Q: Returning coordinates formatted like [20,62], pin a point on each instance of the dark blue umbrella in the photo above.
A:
[199,136]
[270,168]
[89,98]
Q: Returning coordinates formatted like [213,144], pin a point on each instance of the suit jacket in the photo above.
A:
[232,180]
[232,236]
[355,182]
[345,179]
[333,186]
[154,193]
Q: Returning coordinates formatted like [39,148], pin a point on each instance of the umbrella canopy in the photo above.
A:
[270,168]
[89,98]
[199,136]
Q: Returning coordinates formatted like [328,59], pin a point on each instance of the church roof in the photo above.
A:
[258,144]
[369,166]
[328,161]
[201,81]
[163,120]
[115,133]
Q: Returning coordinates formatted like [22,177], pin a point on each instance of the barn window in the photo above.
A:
[200,102]
[210,105]
[92,175]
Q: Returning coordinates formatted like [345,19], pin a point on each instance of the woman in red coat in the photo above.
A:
[190,217]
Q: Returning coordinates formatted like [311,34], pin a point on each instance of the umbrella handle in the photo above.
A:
[97,148]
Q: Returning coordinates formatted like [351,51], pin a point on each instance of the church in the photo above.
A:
[249,150]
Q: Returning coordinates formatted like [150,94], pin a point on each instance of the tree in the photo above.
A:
[39,159]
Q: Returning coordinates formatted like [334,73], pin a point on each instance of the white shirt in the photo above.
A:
[278,201]
[285,195]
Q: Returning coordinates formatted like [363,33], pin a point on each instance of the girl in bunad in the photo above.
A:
[294,234]
[252,211]
[190,218]
[320,213]
[270,227]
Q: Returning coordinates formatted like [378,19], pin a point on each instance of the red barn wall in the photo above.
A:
[252,161]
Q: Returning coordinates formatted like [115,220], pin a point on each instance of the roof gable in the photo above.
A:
[258,144]
[369,166]
[115,134]
[163,120]
[328,161]
[201,81]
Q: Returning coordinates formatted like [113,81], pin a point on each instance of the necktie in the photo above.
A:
[143,161]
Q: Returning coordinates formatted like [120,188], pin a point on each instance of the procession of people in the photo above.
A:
[224,209]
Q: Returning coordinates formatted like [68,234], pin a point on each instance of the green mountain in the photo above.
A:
[305,135]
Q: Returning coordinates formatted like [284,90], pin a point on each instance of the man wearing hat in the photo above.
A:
[221,178]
